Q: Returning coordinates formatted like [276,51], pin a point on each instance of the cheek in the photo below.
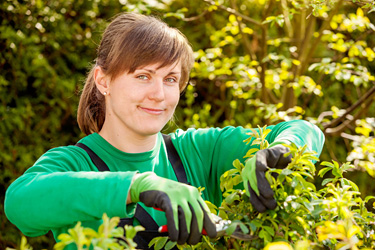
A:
[176,97]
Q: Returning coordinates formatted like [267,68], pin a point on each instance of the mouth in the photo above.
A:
[152,111]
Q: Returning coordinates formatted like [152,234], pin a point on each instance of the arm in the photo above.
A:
[208,153]
[61,189]
[300,133]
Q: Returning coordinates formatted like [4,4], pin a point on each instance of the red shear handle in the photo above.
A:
[164,229]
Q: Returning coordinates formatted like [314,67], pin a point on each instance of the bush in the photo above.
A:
[333,217]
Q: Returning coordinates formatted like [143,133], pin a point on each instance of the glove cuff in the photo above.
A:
[136,188]
[278,143]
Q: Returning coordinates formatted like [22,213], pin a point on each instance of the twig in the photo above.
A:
[324,114]
[234,12]
[274,99]
[288,25]
[263,54]
[342,126]
[330,151]
[361,100]
[193,18]
[348,136]
[347,123]
[246,42]
[320,32]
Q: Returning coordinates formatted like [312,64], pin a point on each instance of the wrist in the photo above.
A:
[136,186]
[279,143]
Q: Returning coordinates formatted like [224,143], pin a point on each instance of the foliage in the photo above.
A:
[333,217]
[107,237]
[257,62]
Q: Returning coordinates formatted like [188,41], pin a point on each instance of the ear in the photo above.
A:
[101,80]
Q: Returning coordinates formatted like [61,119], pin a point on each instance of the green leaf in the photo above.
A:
[237,180]
[352,184]
[263,234]
[286,171]
[130,231]
[61,245]
[237,164]
[251,152]
[160,243]
[231,198]
[323,171]
[65,237]
[337,172]
[308,206]
[231,228]
[326,163]
[325,181]
[369,198]
[153,241]
[170,245]
[270,230]
[244,228]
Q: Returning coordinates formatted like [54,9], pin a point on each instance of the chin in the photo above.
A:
[149,128]
[151,131]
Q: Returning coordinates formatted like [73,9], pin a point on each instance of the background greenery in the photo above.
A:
[257,62]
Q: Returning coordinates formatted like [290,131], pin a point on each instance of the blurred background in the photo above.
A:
[258,62]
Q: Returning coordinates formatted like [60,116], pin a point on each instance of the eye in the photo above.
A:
[142,77]
[170,80]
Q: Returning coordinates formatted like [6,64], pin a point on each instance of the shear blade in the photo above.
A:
[222,225]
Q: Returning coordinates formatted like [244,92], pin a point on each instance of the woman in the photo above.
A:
[141,68]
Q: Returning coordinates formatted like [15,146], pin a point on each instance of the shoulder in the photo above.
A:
[212,136]
[64,158]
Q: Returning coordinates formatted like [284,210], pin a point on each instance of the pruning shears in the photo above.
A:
[221,229]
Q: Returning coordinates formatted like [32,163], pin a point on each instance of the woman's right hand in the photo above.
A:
[187,214]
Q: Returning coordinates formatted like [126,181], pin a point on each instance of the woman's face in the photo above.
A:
[142,102]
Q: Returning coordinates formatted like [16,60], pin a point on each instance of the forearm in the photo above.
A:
[300,133]
[38,202]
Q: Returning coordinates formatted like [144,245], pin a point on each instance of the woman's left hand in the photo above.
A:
[272,157]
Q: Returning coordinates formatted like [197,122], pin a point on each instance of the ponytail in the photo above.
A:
[91,108]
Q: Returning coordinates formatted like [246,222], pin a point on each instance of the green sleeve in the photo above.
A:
[208,153]
[300,133]
[63,188]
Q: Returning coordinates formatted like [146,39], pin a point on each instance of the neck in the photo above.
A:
[128,142]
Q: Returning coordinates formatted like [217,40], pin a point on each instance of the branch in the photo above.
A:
[274,99]
[246,42]
[234,12]
[288,25]
[263,54]
[330,151]
[317,40]
[193,18]
[361,100]
[342,126]
[349,136]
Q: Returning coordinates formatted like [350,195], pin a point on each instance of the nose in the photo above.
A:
[157,92]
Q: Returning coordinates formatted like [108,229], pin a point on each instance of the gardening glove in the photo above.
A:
[256,185]
[187,214]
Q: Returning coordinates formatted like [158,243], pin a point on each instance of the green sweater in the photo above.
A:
[64,186]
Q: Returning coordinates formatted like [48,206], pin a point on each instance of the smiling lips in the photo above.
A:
[152,111]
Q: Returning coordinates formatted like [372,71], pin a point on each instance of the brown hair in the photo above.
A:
[131,41]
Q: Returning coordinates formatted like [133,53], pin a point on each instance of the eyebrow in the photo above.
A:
[154,72]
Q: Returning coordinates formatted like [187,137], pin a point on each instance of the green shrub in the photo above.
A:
[333,217]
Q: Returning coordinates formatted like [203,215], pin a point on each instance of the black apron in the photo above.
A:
[151,228]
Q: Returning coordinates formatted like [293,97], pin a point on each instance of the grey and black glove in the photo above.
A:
[272,157]
[187,214]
